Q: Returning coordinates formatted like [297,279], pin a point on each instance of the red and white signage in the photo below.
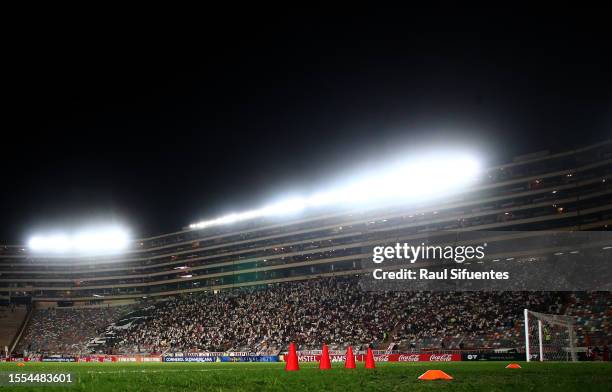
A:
[433,357]
[418,357]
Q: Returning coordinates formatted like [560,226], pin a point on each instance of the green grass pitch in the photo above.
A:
[468,376]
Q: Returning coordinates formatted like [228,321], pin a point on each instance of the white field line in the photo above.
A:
[181,370]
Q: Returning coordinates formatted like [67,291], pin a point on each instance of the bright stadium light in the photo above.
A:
[431,176]
[288,206]
[101,240]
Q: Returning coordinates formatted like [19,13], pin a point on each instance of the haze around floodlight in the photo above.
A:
[89,241]
[427,177]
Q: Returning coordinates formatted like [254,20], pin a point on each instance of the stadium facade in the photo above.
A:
[566,191]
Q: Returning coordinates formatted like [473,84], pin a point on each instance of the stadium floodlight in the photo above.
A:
[101,240]
[428,177]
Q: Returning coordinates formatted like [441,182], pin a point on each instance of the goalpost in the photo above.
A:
[549,337]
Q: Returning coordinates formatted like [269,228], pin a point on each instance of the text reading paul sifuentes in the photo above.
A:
[422,252]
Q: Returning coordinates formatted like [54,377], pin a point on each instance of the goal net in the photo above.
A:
[549,337]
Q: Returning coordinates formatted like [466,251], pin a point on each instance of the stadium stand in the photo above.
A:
[310,313]
[12,319]
[593,313]
[258,284]
[57,331]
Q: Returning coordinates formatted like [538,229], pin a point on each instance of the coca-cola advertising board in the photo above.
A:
[417,357]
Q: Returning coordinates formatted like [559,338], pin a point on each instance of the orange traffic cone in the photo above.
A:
[20,364]
[350,359]
[434,375]
[292,359]
[324,362]
[369,361]
[513,366]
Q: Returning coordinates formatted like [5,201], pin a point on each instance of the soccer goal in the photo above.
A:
[549,337]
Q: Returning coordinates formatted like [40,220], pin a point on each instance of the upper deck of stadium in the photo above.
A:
[563,191]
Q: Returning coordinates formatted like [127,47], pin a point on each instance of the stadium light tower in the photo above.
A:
[98,240]
[427,177]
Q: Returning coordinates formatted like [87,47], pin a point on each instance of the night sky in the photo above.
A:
[158,133]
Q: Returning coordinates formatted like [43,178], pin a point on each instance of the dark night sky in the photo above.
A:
[158,133]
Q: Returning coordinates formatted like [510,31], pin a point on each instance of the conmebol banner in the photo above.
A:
[190,359]
[224,358]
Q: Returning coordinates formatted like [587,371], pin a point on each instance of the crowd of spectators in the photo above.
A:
[66,330]
[331,310]
[265,318]
[338,312]
[593,314]
[462,320]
